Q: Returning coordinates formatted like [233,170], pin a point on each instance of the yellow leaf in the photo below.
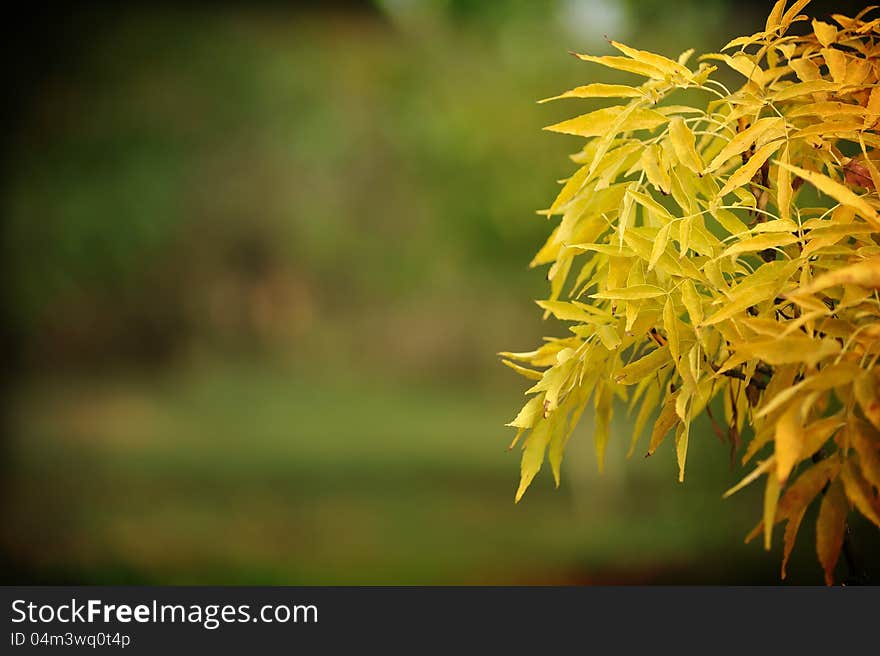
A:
[824,32]
[859,492]
[836,190]
[791,15]
[788,441]
[600,122]
[745,173]
[869,455]
[567,311]
[791,529]
[775,15]
[659,246]
[789,349]
[649,203]
[865,389]
[643,367]
[530,413]
[559,439]
[806,69]
[836,62]
[760,243]
[666,420]
[830,530]
[524,371]
[729,221]
[864,274]
[681,448]
[608,335]
[671,327]
[656,173]
[571,187]
[873,108]
[746,139]
[634,293]
[604,410]
[599,90]
[742,64]
[659,62]
[763,467]
[803,88]
[817,433]
[627,65]
[650,401]
[784,191]
[835,375]
[771,499]
[692,302]
[532,457]
[684,144]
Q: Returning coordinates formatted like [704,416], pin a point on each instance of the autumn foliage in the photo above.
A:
[726,254]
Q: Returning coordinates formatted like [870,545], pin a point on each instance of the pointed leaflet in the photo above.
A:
[523,371]
[684,144]
[601,122]
[771,500]
[681,448]
[859,492]
[789,16]
[746,139]
[830,529]
[864,274]
[775,15]
[836,190]
[659,246]
[647,201]
[784,189]
[530,413]
[824,32]
[762,467]
[791,530]
[865,388]
[598,90]
[652,398]
[869,455]
[626,64]
[533,456]
[656,173]
[744,174]
[659,62]
[760,243]
[646,366]
[567,311]
[671,327]
[835,60]
[666,420]
[560,437]
[604,410]
[692,301]
[789,440]
[634,293]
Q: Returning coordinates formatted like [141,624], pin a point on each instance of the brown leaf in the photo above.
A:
[830,529]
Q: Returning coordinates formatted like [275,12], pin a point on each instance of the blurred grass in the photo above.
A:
[236,472]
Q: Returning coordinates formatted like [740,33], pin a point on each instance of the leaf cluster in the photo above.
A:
[725,252]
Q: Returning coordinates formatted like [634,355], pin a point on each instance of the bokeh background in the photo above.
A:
[257,262]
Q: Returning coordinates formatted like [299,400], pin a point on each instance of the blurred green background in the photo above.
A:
[257,261]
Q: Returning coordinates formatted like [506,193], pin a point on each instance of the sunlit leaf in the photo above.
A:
[834,189]
[598,90]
